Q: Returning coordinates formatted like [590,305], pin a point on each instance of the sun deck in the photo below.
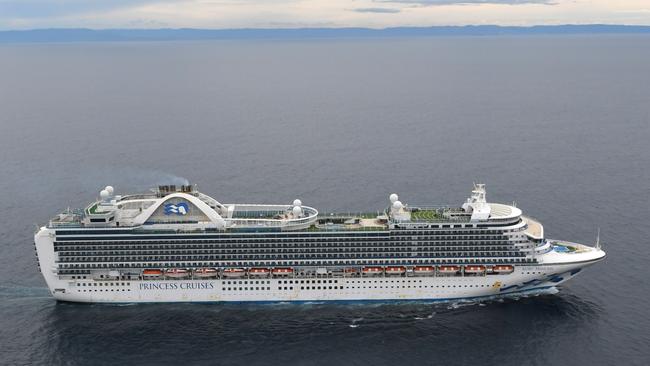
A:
[184,208]
[535,230]
[68,218]
[350,222]
[437,214]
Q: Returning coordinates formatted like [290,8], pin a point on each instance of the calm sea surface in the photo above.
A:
[560,125]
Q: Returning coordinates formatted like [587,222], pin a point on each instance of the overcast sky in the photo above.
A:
[27,14]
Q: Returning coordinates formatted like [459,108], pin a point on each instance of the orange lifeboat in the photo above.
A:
[448,269]
[351,271]
[152,273]
[205,272]
[503,269]
[424,270]
[234,272]
[474,269]
[177,273]
[282,271]
[372,271]
[395,271]
[259,272]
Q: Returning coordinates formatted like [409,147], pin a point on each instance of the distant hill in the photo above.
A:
[91,35]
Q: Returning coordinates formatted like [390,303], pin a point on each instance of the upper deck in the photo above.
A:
[184,208]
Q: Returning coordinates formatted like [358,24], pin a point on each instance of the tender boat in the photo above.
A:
[395,270]
[372,271]
[205,272]
[282,271]
[152,273]
[474,269]
[503,269]
[259,272]
[234,272]
[424,270]
[177,273]
[448,269]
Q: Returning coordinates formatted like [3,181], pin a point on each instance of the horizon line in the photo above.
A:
[342,27]
[180,34]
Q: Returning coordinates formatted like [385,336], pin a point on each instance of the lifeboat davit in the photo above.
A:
[372,271]
[177,273]
[282,271]
[396,270]
[151,273]
[205,272]
[474,269]
[449,269]
[259,272]
[234,272]
[424,270]
[503,268]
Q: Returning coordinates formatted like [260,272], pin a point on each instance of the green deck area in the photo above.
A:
[93,209]
[426,215]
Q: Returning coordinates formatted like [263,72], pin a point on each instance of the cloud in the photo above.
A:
[49,8]
[469,2]
[377,10]
[219,14]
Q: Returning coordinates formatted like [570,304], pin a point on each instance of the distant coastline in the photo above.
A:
[188,34]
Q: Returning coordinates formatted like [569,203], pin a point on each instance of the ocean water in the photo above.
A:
[559,125]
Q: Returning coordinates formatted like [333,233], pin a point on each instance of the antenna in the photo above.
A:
[598,239]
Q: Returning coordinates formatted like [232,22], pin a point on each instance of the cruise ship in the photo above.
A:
[176,244]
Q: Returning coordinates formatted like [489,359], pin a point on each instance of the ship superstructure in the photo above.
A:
[177,244]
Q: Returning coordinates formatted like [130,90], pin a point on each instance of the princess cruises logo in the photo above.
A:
[176,209]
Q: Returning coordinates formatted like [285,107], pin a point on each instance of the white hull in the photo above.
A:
[554,269]
[438,288]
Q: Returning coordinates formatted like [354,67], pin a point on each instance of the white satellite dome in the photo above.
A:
[397,205]
[297,211]
[393,198]
[104,194]
[109,189]
[297,202]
